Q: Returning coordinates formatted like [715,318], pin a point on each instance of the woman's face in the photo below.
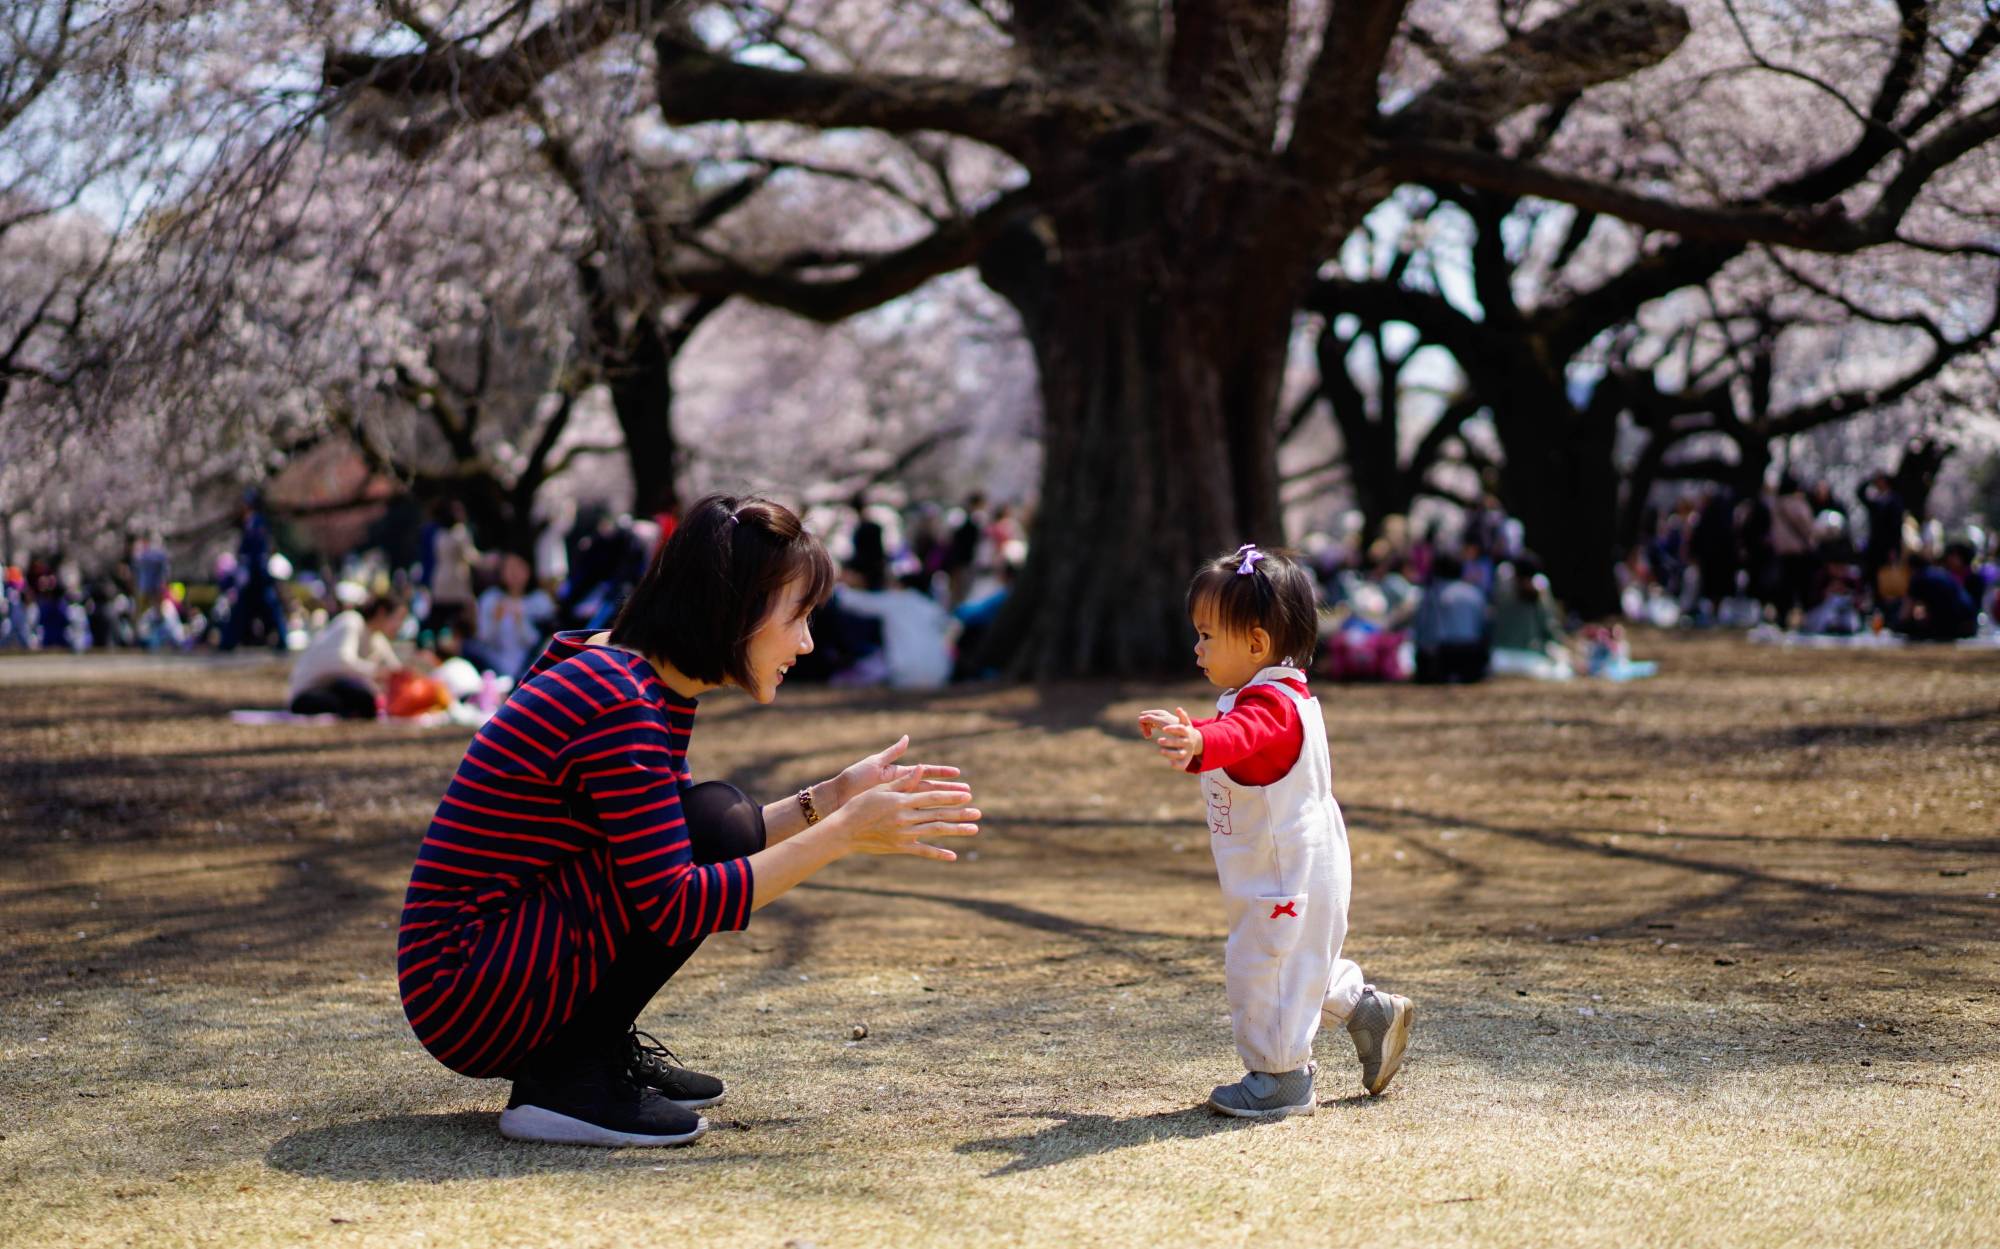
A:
[785,635]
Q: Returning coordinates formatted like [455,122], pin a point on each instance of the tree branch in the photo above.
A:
[1432,316]
[577,452]
[476,87]
[48,66]
[1339,98]
[1815,229]
[1020,118]
[885,277]
[1594,42]
[1430,448]
[1854,401]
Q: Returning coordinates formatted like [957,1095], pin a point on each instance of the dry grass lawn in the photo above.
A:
[1703,960]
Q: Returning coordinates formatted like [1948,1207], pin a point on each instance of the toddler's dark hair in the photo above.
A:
[1277,595]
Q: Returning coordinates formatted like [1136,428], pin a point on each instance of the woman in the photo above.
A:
[572,867]
[343,670]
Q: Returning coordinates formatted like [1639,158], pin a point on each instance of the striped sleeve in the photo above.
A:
[631,765]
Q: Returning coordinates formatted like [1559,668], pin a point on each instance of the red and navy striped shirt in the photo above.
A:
[559,840]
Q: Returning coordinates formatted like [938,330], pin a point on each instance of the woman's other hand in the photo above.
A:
[881,768]
[897,817]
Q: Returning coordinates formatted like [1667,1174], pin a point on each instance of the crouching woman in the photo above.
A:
[573,866]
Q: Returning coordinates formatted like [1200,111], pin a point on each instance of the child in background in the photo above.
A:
[1279,841]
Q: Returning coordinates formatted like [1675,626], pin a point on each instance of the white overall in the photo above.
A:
[1281,851]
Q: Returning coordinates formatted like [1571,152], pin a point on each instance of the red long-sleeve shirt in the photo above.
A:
[1257,741]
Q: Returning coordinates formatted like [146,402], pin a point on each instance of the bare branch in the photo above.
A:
[478,87]
[1809,229]
[883,278]
[1338,100]
[48,65]
[1593,42]
[1021,118]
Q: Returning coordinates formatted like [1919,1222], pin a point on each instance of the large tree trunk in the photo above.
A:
[1558,477]
[1159,383]
[640,378]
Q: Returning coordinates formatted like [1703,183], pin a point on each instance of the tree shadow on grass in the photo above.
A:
[1076,1136]
[458,1145]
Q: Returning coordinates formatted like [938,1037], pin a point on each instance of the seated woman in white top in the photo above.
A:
[342,671]
[916,631]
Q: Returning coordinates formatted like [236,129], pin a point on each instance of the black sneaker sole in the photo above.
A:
[533,1123]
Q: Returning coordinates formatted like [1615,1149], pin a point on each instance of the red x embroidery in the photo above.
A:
[1284,909]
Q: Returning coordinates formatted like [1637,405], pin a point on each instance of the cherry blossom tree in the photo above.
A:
[1181,175]
[1156,192]
[1850,267]
[87,150]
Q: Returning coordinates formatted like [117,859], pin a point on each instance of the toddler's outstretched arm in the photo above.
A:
[1180,740]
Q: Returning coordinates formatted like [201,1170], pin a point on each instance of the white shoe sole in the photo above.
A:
[1393,1044]
[533,1123]
[703,1104]
[1275,1112]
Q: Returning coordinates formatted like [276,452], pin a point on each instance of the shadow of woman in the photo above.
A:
[462,1145]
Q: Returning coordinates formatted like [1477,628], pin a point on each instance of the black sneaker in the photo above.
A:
[595,1100]
[658,1068]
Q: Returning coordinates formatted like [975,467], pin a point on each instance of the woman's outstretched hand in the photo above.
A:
[881,768]
[897,816]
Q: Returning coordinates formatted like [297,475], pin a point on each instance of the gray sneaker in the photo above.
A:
[1266,1095]
[1380,1026]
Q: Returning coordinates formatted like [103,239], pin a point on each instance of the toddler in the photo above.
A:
[1280,844]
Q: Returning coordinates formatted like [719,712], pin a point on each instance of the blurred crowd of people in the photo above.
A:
[918,583]
[922,582]
[1450,609]
[1793,559]
[920,586]
[1798,557]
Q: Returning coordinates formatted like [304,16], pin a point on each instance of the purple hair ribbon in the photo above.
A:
[1250,555]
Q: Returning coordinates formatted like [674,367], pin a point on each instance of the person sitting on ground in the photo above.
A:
[344,670]
[975,619]
[1936,607]
[1454,642]
[916,631]
[1528,638]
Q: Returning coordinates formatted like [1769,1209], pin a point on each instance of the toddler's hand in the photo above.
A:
[1180,741]
[1151,722]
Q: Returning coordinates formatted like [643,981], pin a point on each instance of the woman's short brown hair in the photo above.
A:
[715,580]
[1276,595]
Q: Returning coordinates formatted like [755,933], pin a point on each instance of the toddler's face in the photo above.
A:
[1227,658]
